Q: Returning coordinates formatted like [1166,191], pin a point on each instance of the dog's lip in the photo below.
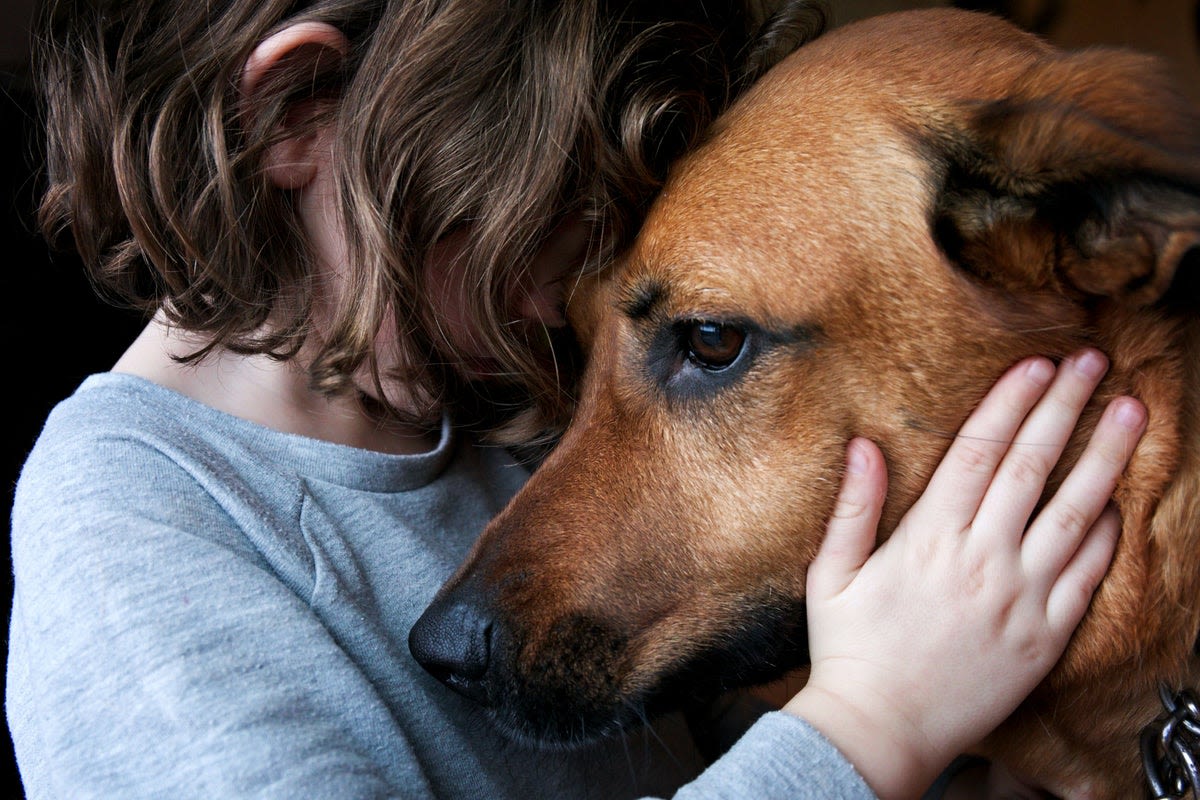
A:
[773,643]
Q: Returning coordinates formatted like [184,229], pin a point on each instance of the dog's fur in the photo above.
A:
[893,216]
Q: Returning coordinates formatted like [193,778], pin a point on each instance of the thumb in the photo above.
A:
[850,535]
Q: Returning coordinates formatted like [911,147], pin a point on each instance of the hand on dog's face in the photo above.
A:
[921,648]
[862,246]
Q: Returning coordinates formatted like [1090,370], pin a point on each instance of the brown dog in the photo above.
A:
[891,218]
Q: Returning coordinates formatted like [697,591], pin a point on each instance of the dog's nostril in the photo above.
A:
[452,641]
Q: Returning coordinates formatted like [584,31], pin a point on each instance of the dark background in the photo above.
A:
[55,329]
[57,332]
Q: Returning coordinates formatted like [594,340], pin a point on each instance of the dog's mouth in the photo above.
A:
[583,680]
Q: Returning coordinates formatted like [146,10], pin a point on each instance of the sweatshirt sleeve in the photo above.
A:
[780,756]
[153,652]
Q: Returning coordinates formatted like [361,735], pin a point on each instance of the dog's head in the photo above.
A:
[889,220]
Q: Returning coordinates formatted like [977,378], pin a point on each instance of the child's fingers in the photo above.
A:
[1054,536]
[966,471]
[1072,593]
[850,535]
[1021,476]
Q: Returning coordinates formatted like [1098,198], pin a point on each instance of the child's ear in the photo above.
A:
[300,53]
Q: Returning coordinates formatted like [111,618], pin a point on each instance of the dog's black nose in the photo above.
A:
[452,641]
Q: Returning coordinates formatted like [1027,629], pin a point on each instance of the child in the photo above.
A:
[356,224]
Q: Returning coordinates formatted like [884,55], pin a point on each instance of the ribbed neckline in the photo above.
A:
[343,465]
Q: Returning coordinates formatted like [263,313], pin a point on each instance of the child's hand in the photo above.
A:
[924,647]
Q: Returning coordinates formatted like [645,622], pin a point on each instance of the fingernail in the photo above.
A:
[1129,413]
[1091,363]
[1040,371]
[856,458]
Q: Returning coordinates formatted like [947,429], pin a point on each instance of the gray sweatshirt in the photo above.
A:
[207,608]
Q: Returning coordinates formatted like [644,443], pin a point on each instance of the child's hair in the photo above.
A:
[504,115]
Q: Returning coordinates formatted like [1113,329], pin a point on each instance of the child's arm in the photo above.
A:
[923,647]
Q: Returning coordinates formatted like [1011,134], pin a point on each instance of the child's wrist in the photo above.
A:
[888,759]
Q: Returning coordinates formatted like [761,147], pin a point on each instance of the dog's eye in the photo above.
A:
[712,345]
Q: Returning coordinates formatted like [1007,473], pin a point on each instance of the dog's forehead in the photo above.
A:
[771,212]
[822,176]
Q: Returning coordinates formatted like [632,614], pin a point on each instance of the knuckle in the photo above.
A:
[1030,648]
[851,509]
[1025,468]
[1025,632]
[1066,406]
[925,550]
[975,581]
[974,456]
[1070,518]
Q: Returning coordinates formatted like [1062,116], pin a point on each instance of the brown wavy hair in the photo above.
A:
[501,115]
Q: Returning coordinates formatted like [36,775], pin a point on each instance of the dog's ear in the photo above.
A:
[1086,177]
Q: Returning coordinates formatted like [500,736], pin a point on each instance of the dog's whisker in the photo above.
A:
[628,758]
[652,733]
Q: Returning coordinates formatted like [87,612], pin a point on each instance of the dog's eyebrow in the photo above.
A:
[804,335]
[643,299]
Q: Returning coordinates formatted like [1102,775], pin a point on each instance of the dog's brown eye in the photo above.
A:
[714,346]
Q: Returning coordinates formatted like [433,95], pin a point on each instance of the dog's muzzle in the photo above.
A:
[559,686]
